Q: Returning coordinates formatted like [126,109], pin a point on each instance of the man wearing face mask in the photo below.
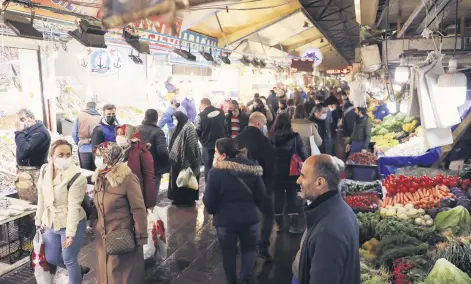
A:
[361,135]
[32,145]
[167,118]
[236,120]
[106,130]
[320,117]
[259,148]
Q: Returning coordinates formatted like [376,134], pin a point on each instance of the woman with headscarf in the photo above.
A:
[184,153]
[121,228]
[139,160]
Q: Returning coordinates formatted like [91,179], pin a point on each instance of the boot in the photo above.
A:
[279,223]
[293,225]
[264,254]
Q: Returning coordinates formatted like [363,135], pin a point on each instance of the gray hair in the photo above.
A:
[26,112]
[258,117]
[91,105]
[330,171]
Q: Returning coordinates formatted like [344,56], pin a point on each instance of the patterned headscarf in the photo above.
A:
[112,154]
[131,132]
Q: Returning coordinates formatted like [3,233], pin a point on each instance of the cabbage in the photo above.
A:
[383,131]
[456,219]
[466,203]
[447,202]
[400,116]
[444,272]
[409,119]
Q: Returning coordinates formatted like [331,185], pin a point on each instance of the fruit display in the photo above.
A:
[362,158]
[385,141]
[394,123]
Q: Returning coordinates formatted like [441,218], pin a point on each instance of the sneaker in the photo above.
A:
[264,254]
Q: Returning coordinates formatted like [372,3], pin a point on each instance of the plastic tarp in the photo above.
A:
[389,165]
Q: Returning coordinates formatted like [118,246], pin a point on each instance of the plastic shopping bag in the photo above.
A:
[42,270]
[156,246]
[186,178]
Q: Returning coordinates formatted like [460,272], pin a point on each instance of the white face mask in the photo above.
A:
[175,122]
[323,116]
[99,163]
[122,141]
[62,163]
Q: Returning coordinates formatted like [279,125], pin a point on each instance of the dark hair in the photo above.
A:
[309,105]
[227,146]
[318,107]
[330,171]
[283,102]
[363,110]
[282,124]
[272,92]
[235,103]
[301,111]
[256,96]
[206,102]
[91,105]
[320,98]
[109,107]
[261,105]
[297,97]
[290,102]
[151,115]
[57,143]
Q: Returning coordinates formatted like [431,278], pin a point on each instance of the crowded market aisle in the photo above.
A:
[193,254]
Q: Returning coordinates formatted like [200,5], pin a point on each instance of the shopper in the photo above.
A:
[122,218]
[139,160]
[291,108]
[225,105]
[297,97]
[348,116]
[82,130]
[306,128]
[320,118]
[287,143]
[336,114]
[273,101]
[106,130]
[61,189]
[236,120]
[32,141]
[250,103]
[329,247]
[233,192]
[189,106]
[259,106]
[259,148]
[151,134]
[167,117]
[184,153]
[381,110]
[282,106]
[361,136]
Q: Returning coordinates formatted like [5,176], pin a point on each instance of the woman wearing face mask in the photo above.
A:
[121,228]
[184,153]
[361,135]
[61,189]
[259,106]
[233,192]
[139,160]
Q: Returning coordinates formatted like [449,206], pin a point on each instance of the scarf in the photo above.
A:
[184,150]
[112,154]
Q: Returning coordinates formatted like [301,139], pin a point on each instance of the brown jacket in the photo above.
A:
[120,197]
[306,128]
[86,123]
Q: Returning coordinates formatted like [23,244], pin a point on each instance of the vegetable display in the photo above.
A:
[362,158]
[407,213]
[444,272]
[367,223]
[415,146]
[363,201]
[448,250]
[352,186]
[457,220]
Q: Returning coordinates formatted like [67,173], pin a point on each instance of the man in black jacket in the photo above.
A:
[209,128]
[236,120]
[259,148]
[329,248]
[152,134]
[32,146]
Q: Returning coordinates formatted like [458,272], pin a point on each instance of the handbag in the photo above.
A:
[186,178]
[296,162]
[314,149]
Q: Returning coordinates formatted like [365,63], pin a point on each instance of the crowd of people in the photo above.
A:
[257,157]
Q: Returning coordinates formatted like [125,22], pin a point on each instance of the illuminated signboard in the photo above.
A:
[343,71]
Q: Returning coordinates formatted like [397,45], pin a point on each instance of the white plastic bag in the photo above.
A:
[312,142]
[156,246]
[40,267]
[186,178]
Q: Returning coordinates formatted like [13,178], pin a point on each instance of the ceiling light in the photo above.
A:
[185,54]
[306,24]
[453,83]
[263,64]
[207,55]
[322,40]
[90,33]
[245,60]
[22,26]
[133,40]
[224,58]
[136,59]
[401,75]
[256,62]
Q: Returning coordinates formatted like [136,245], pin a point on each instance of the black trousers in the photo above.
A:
[208,156]
[86,161]
[268,219]
[286,192]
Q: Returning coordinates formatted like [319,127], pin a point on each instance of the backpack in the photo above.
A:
[87,203]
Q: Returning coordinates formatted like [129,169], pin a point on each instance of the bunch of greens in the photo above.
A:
[398,246]
[368,275]
[392,227]
[367,223]
[456,250]
[444,272]
[457,220]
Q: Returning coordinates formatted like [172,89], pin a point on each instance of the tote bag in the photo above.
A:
[296,162]
[314,149]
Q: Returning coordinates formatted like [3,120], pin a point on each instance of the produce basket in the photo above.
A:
[351,187]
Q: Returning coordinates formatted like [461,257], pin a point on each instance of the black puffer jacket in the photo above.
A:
[151,133]
[286,145]
[228,199]
[210,126]
[32,145]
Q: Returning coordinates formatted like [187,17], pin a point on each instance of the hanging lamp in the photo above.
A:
[401,75]
[453,83]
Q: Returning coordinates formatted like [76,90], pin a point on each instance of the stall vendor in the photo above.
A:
[381,111]
[361,135]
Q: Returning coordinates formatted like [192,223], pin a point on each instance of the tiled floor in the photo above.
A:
[193,254]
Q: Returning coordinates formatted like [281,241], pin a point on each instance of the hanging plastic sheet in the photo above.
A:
[389,165]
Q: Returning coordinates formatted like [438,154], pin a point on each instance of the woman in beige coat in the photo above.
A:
[306,128]
[120,206]
[61,189]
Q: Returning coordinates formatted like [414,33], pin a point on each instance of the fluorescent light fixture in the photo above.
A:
[245,60]
[185,54]
[453,84]
[133,40]
[90,33]
[225,58]
[22,26]
[136,59]
[263,64]
[401,75]
[207,55]
[256,62]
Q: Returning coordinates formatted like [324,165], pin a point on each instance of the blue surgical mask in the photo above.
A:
[265,130]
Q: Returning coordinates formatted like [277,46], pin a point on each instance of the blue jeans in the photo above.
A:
[66,258]
[228,236]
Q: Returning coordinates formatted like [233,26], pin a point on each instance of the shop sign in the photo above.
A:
[343,71]
[197,41]
[101,62]
[314,54]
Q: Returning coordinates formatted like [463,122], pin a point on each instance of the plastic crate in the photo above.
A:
[16,239]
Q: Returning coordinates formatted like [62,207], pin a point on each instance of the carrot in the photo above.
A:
[395,200]
[409,196]
[421,195]
[437,192]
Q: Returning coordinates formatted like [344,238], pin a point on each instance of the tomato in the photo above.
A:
[467,182]
[453,184]
[414,185]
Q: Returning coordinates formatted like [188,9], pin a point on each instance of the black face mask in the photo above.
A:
[259,109]
[177,105]
[110,119]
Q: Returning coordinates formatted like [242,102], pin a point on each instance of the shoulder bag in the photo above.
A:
[296,162]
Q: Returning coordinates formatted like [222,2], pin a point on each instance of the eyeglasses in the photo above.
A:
[23,119]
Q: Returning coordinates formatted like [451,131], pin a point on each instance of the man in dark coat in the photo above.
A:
[259,148]
[236,120]
[106,130]
[329,248]
[320,116]
[152,134]
[273,101]
[209,128]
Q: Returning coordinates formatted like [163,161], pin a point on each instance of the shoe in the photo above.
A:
[84,269]
[279,223]
[293,225]
[264,254]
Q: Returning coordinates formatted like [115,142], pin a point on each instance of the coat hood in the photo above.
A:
[116,176]
[283,138]
[240,167]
